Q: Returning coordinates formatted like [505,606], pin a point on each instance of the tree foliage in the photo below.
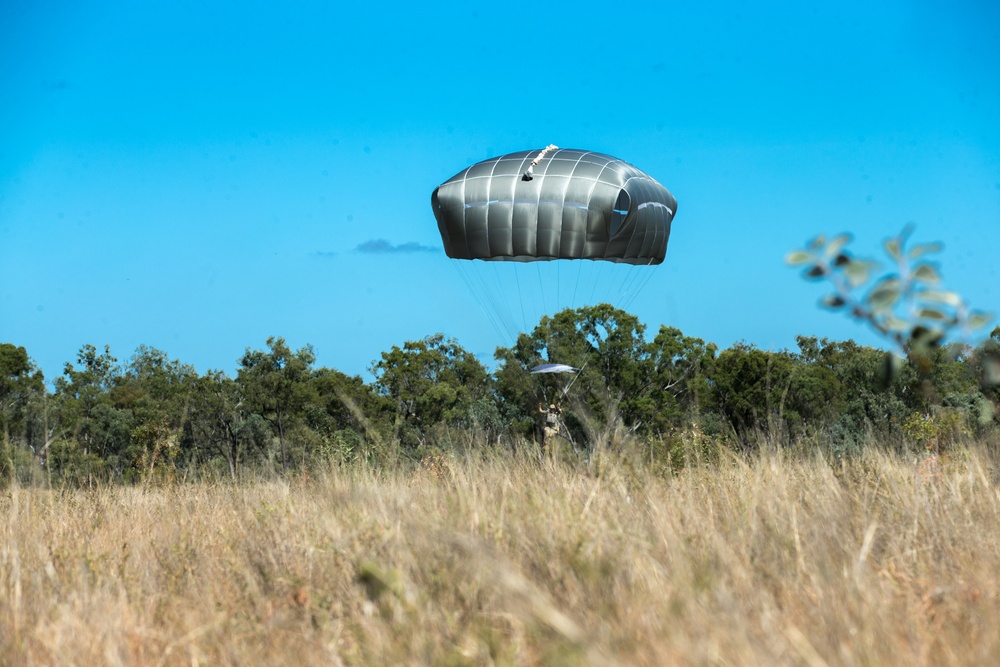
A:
[276,386]
[154,419]
[907,305]
[430,381]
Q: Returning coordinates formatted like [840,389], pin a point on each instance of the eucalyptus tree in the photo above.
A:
[22,392]
[221,426]
[348,413]
[430,381]
[275,385]
[157,392]
[20,381]
[85,413]
[614,378]
[679,367]
[748,388]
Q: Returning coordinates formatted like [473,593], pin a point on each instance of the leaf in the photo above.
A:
[893,323]
[857,272]
[833,301]
[817,242]
[991,372]
[816,271]
[978,319]
[924,338]
[986,412]
[836,244]
[889,369]
[941,296]
[797,257]
[927,274]
[917,251]
[885,295]
[892,247]
[905,234]
[933,314]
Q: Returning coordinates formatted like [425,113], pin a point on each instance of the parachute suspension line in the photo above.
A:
[558,283]
[638,275]
[598,281]
[626,286]
[478,292]
[524,318]
[485,296]
[576,287]
[628,283]
[565,391]
[644,275]
[651,272]
[622,274]
[528,175]
[541,288]
[501,296]
[621,285]
[617,284]
[492,291]
[612,281]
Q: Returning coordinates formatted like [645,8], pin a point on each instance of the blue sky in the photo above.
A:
[198,178]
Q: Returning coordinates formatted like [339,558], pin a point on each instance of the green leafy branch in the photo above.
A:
[907,306]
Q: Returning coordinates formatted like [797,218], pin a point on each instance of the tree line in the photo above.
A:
[150,416]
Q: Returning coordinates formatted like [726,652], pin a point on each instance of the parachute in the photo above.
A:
[532,216]
[553,368]
[566,204]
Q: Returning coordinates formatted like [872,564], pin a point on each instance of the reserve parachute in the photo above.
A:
[552,207]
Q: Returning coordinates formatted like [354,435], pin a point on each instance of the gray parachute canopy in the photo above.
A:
[566,204]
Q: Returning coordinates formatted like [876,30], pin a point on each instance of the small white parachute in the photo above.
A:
[553,368]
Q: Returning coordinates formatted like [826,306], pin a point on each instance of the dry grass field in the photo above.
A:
[775,559]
